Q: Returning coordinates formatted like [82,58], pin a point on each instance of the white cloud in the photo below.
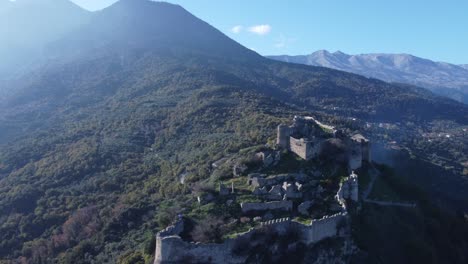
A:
[260,29]
[236,29]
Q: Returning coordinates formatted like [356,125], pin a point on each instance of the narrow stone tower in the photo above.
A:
[282,138]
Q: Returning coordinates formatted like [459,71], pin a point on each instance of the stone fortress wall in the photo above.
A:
[349,188]
[170,248]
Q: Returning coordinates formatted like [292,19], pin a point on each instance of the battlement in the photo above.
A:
[275,221]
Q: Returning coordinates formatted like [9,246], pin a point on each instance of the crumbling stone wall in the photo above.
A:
[349,189]
[172,249]
[328,226]
[261,180]
[302,147]
[269,206]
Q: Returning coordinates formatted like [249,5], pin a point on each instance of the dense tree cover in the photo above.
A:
[118,172]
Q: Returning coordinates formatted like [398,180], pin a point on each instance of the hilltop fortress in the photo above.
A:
[171,248]
[306,137]
[279,196]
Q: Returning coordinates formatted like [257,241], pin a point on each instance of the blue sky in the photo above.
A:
[436,30]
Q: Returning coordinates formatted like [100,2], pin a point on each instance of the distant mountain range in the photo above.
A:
[441,78]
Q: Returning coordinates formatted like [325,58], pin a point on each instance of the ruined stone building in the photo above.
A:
[349,189]
[359,151]
[303,137]
[306,138]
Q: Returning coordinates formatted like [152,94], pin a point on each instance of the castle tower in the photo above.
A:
[282,138]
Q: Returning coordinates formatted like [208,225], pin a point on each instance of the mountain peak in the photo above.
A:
[322,52]
[157,26]
[145,4]
[339,52]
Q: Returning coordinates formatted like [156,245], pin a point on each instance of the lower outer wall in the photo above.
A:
[173,249]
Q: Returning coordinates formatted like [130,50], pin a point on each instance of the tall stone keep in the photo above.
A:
[282,139]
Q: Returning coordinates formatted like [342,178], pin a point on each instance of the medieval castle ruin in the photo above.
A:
[280,194]
[171,248]
[306,138]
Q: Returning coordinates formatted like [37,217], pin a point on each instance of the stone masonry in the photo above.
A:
[171,249]
[306,138]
